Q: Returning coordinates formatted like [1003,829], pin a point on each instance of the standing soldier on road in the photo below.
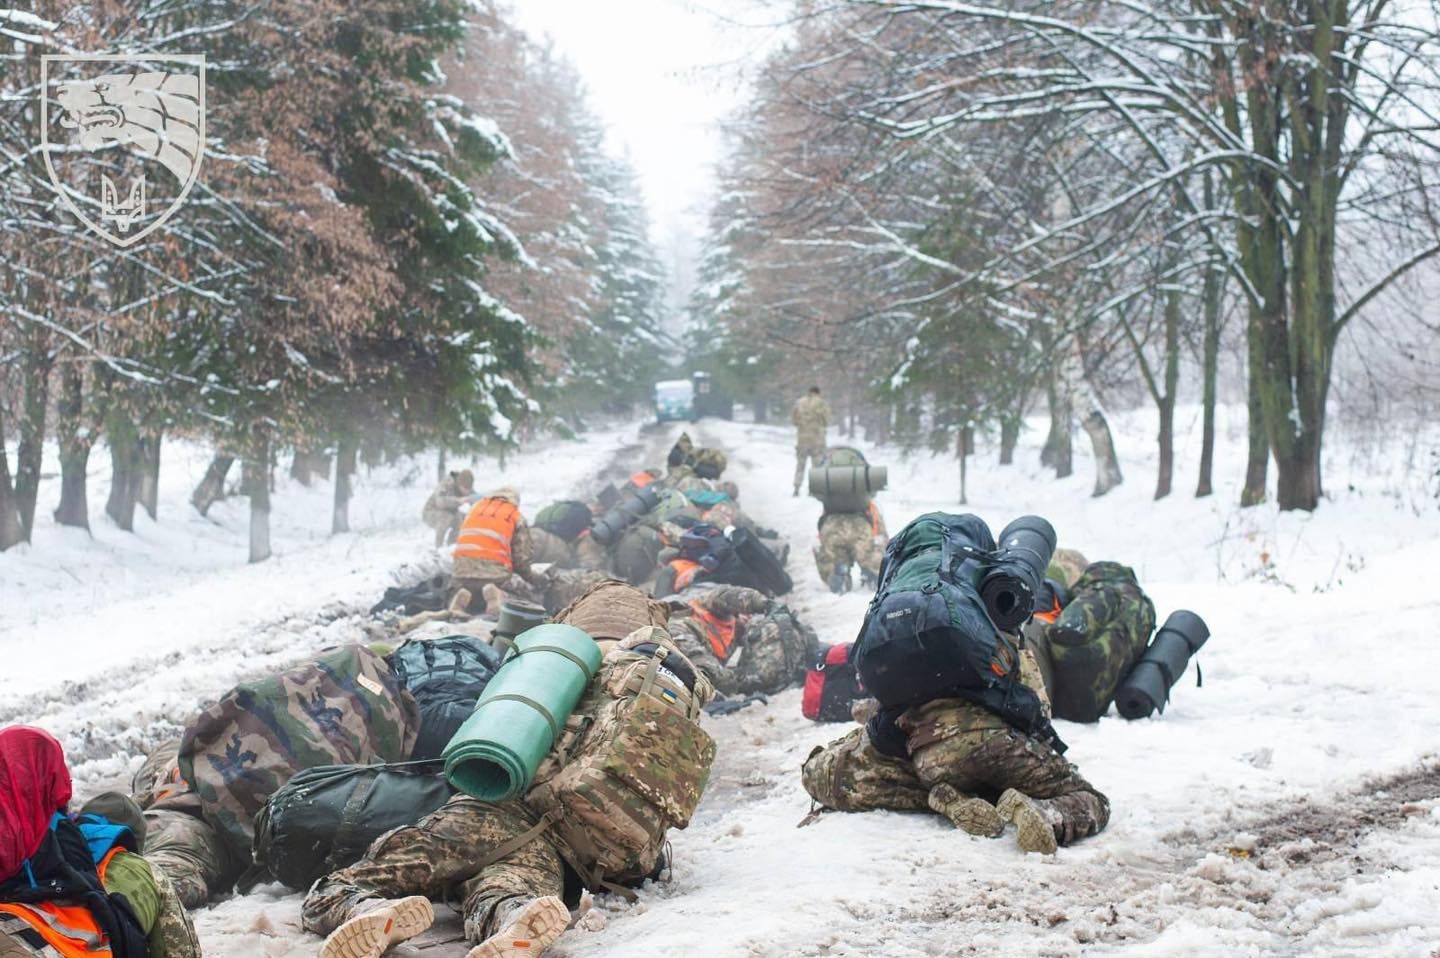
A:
[442,509]
[811,417]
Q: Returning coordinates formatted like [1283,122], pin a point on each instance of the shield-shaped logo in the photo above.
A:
[122,137]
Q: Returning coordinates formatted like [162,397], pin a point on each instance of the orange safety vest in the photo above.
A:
[487,531]
[873,511]
[70,929]
[685,571]
[719,632]
[641,479]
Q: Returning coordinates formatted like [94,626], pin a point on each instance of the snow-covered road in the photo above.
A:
[1245,819]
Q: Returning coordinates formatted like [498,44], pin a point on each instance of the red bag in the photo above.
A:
[831,685]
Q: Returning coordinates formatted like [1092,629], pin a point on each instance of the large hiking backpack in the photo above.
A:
[831,685]
[567,519]
[1096,640]
[608,530]
[927,635]
[634,766]
[846,488]
[446,677]
[345,708]
[324,818]
[842,456]
[637,554]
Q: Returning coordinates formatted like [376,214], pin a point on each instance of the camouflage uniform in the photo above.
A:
[958,752]
[771,648]
[848,538]
[548,548]
[811,417]
[1094,642]
[451,853]
[438,858]
[563,586]
[1066,566]
[178,842]
[442,509]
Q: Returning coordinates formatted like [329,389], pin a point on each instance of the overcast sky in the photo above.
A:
[663,75]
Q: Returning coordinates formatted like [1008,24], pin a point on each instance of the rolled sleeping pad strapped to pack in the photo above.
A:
[1009,589]
[1147,687]
[497,751]
[847,488]
[627,512]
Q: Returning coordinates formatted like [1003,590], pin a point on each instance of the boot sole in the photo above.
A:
[535,928]
[374,933]
[1032,832]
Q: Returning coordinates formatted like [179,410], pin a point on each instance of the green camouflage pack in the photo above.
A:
[1096,639]
[345,708]
[637,768]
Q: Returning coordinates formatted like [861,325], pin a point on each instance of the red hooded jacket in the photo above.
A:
[34,785]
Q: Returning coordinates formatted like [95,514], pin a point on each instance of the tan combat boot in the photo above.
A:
[530,930]
[380,925]
[970,814]
[1034,826]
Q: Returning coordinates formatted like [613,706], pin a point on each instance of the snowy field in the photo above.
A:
[1290,806]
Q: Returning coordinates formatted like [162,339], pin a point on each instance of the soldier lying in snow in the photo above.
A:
[584,815]
[744,642]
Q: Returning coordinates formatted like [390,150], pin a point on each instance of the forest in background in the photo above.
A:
[409,234]
[958,213]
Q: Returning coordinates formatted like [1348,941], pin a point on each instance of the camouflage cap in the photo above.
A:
[612,610]
[508,493]
[119,810]
[710,463]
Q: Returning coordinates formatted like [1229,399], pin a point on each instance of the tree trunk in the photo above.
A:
[255,483]
[962,448]
[1166,405]
[1258,464]
[150,444]
[1009,438]
[10,531]
[440,464]
[344,469]
[75,442]
[1210,374]
[1085,401]
[125,472]
[212,487]
[30,452]
[301,467]
[1057,452]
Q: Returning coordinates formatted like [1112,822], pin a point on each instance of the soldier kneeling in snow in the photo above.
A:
[507,862]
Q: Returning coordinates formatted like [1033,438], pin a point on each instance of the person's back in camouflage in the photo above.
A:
[848,539]
[1096,640]
[506,863]
[964,762]
[770,648]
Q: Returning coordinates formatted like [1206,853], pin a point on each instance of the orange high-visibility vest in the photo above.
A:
[719,632]
[873,511]
[1051,614]
[487,531]
[70,929]
[641,479]
[685,572]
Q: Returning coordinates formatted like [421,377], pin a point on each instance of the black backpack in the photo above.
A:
[927,635]
[567,519]
[325,818]
[430,595]
[446,677]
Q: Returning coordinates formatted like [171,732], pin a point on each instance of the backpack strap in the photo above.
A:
[506,849]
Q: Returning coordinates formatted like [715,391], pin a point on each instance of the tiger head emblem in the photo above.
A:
[158,114]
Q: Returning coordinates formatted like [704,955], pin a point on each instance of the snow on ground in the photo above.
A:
[112,639]
[1247,820]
